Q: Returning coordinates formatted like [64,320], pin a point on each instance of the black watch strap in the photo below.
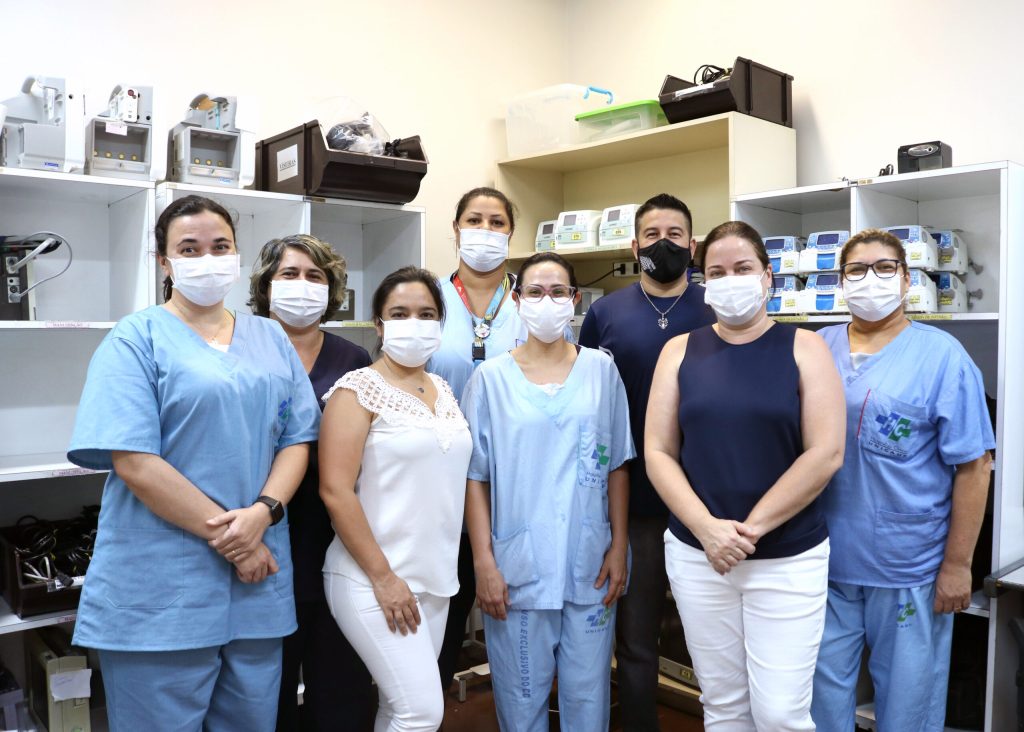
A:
[275,506]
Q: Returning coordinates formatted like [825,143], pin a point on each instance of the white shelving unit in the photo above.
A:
[109,224]
[986,202]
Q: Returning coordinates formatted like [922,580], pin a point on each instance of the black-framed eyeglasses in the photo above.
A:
[558,293]
[884,269]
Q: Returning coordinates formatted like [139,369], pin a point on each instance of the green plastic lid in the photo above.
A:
[618,107]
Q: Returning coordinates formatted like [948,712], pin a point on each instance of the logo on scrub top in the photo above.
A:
[599,457]
[284,411]
[894,426]
[599,619]
[904,611]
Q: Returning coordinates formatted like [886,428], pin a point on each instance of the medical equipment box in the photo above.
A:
[588,295]
[546,236]
[821,252]
[923,156]
[922,296]
[577,229]
[751,89]
[298,161]
[54,668]
[26,597]
[119,140]
[953,255]
[784,253]
[919,245]
[616,228]
[951,293]
[620,119]
[785,295]
[43,128]
[545,119]
[823,294]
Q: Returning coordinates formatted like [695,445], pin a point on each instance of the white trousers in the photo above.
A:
[753,635]
[404,666]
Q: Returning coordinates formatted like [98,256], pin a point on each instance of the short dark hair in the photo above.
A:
[486,192]
[874,236]
[401,277]
[662,201]
[320,252]
[739,229]
[540,258]
[187,206]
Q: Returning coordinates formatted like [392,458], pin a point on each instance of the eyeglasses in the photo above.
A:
[558,293]
[884,269]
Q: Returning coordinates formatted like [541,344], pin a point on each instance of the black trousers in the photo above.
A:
[339,695]
[458,612]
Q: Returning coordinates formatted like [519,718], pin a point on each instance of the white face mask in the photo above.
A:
[735,298]
[298,302]
[546,319]
[204,280]
[482,249]
[873,298]
[411,342]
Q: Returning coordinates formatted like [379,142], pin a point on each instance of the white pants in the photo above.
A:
[753,635]
[404,666]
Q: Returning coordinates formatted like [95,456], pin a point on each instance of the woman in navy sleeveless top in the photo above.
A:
[745,427]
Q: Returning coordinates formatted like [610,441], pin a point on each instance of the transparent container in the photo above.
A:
[620,120]
[545,119]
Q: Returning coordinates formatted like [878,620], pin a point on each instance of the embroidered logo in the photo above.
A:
[895,427]
[646,264]
[599,457]
[284,411]
[904,610]
[599,619]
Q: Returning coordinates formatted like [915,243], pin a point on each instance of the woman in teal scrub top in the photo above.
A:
[202,416]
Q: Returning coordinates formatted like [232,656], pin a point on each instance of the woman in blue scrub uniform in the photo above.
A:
[202,416]
[905,509]
[299,281]
[547,509]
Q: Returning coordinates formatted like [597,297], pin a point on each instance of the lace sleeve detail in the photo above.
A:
[369,388]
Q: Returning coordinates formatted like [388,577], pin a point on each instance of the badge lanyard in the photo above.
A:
[482,328]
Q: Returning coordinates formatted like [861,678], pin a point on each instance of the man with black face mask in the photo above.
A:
[632,324]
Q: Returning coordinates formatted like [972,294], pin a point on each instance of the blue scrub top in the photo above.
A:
[155,386]
[914,411]
[547,460]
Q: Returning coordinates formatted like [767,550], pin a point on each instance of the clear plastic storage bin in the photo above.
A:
[620,119]
[545,119]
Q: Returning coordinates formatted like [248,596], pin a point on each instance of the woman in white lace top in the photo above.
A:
[394,451]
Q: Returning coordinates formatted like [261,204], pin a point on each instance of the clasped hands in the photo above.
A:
[240,541]
[726,543]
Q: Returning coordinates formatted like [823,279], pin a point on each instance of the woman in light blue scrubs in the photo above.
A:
[547,509]
[202,416]
[905,509]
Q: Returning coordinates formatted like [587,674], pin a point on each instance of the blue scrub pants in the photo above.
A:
[909,658]
[531,647]
[216,689]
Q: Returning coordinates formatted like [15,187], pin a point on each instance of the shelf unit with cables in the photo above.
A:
[984,202]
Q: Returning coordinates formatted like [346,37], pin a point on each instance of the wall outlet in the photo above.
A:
[630,268]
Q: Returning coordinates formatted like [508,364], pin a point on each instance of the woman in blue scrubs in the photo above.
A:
[299,281]
[905,509]
[202,416]
[547,509]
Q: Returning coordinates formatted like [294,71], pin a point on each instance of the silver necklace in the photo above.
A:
[663,320]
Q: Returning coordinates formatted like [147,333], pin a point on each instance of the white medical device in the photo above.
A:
[546,236]
[786,295]
[952,249]
[588,295]
[577,229]
[617,225]
[823,294]
[207,148]
[44,127]
[922,296]
[821,253]
[119,140]
[784,253]
[951,293]
[922,251]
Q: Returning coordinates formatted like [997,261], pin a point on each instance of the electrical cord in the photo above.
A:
[55,552]
[709,73]
[607,274]
[42,249]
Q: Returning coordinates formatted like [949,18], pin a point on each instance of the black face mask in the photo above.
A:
[664,261]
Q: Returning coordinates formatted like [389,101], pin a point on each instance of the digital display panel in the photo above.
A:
[828,239]
[774,245]
[901,234]
[613,215]
[548,228]
[569,220]
[826,280]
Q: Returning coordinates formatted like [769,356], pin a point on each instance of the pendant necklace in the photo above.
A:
[418,388]
[663,320]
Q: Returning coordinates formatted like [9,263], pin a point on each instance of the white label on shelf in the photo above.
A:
[68,472]
[117,127]
[66,685]
[65,324]
[287,163]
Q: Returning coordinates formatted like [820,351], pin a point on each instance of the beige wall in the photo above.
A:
[869,75]
[442,69]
